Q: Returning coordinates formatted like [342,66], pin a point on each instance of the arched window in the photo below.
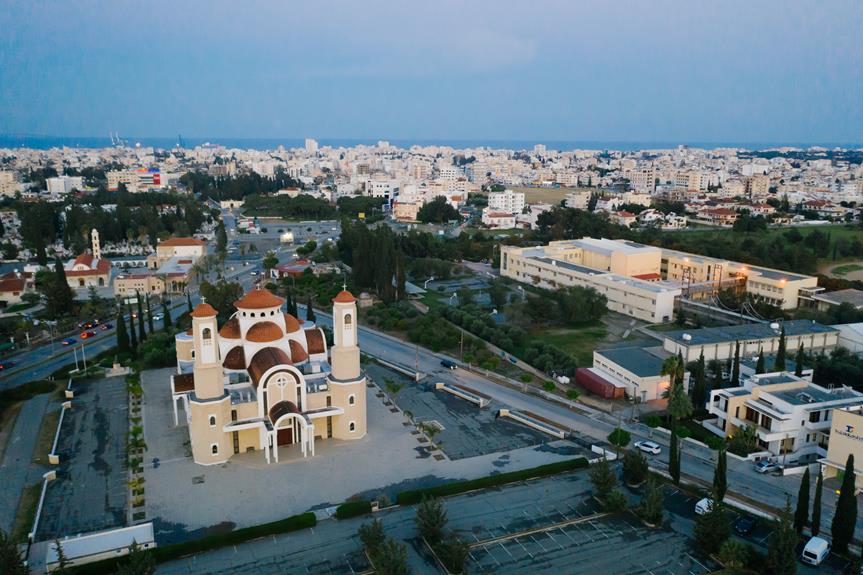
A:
[207,333]
[212,421]
[348,321]
[215,448]
[352,399]
[352,426]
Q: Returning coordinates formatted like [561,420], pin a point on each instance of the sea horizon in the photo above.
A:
[42,142]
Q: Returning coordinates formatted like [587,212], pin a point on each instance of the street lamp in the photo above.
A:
[426,284]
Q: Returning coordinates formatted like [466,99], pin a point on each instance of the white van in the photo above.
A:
[704,506]
[815,551]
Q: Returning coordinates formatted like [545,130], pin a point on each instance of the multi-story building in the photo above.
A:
[9,184]
[846,438]
[311,146]
[578,200]
[627,277]
[62,185]
[507,202]
[790,415]
[266,382]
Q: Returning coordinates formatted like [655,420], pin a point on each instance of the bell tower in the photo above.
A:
[345,353]
[97,248]
[208,364]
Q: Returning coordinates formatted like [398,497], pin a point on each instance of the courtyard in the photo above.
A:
[186,500]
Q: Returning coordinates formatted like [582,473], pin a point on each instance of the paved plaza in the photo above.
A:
[90,491]
[186,500]
[468,431]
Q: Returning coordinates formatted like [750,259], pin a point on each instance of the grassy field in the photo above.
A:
[45,440]
[26,512]
[846,269]
[578,341]
[549,195]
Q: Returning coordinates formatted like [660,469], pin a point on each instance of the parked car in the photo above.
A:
[106,326]
[448,364]
[704,506]
[69,341]
[745,525]
[815,551]
[87,334]
[6,364]
[766,466]
[158,317]
[649,447]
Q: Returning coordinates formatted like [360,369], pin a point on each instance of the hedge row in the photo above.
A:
[415,496]
[210,542]
[353,509]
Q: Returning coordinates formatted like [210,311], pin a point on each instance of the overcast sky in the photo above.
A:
[665,71]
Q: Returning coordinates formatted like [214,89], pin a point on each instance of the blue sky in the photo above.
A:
[741,71]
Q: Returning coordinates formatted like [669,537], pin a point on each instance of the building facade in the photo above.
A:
[846,438]
[265,381]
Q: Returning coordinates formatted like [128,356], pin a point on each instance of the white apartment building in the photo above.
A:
[791,416]
[506,202]
[62,185]
[311,146]
[578,200]
[498,220]
[449,173]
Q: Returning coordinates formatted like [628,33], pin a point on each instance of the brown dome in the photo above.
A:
[292,324]
[344,296]
[315,340]
[298,354]
[282,408]
[259,299]
[204,310]
[264,360]
[235,359]
[263,332]
[231,330]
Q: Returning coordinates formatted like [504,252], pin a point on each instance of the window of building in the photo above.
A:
[207,333]
[215,448]
[352,399]
[348,321]
[212,421]
[352,426]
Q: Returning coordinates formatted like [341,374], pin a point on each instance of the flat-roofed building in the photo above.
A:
[791,416]
[554,267]
[637,369]
[720,342]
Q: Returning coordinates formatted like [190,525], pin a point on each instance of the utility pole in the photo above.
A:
[417,363]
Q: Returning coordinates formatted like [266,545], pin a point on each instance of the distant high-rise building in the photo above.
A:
[539,149]
[311,146]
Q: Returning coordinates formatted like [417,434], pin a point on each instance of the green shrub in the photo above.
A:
[353,509]
[526,377]
[415,496]
[682,432]
[619,437]
[653,421]
[548,386]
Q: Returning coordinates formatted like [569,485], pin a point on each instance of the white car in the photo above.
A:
[704,506]
[766,466]
[649,447]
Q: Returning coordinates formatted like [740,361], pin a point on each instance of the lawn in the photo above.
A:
[26,512]
[578,341]
[548,195]
[45,440]
[846,269]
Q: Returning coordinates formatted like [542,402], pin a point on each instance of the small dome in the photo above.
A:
[259,299]
[292,324]
[231,329]
[344,296]
[263,332]
[282,408]
[204,310]
[235,359]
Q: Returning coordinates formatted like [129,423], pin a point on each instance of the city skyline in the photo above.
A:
[769,73]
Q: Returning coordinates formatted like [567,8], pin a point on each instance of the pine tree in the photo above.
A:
[720,480]
[310,311]
[779,363]
[166,311]
[133,338]
[122,334]
[798,361]
[150,323]
[759,365]
[801,514]
[781,556]
[674,459]
[431,519]
[816,505]
[735,367]
[142,332]
[845,518]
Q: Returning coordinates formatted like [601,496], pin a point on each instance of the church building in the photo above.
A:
[266,381]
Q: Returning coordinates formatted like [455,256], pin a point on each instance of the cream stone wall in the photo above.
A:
[203,435]
[846,437]
[355,413]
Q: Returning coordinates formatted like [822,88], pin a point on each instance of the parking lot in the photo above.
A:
[90,491]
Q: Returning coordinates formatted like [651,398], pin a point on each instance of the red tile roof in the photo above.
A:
[172,242]
[344,296]
[259,299]
[204,310]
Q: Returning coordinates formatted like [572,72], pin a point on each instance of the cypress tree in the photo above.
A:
[142,333]
[798,361]
[781,556]
[310,311]
[845,518]
[735,367]
[166,311]
[133,338]
[779,363]
[122,334]
[189,301]
[759,365]
[150,323]
[801,514]
[699,388]
[720,480]
[816,505]
[674,459]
